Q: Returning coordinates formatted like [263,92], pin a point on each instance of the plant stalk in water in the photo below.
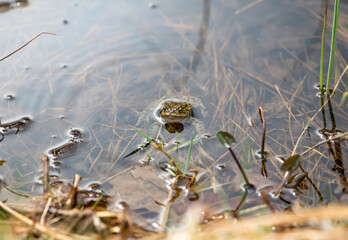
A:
[333,43]
[322,52]
[228,140]
[263,140]
[240,168]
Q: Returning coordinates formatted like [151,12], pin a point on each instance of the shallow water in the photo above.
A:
[111,60]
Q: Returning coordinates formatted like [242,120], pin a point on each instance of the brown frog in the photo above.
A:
[174,113]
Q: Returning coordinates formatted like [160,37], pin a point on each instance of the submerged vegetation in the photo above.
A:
[176,184]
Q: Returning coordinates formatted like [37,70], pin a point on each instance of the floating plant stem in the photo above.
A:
[332,115]
[333,43]
[263,153]
[18,49]
[262,118]
[235,212]
[240,167]
[322,52]
[228,140]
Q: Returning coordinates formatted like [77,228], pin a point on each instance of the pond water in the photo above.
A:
[112,59]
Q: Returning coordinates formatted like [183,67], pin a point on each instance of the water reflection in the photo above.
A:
[111,60]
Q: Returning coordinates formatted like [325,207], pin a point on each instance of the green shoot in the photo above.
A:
[228,140]
[322,52]
[333,43]
[189,155]
[181,145]
[170,171]
[144,135]
[343,99]
[177,168]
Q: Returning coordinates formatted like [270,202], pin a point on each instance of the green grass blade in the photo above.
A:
[144,135]
[170,172]
[189,155]
[187,143]
[343,99]
[333,44]
[322,51]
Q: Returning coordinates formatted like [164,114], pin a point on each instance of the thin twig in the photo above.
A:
[18,49]
[338,136]
[45,211]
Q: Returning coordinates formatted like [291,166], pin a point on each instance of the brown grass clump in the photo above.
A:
[318,223]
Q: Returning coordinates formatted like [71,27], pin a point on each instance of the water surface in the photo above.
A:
[110,60]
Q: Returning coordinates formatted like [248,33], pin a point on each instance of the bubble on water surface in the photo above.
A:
[9,97]
[152,5]
[220,167]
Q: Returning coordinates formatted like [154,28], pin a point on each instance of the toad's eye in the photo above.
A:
[179,108]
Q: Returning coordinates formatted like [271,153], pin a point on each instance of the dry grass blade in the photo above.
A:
[18,49]
[337,137]
[37,226]
[313,117]
[312,221]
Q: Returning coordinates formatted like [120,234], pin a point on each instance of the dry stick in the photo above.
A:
[44,213]
[39,227]
[263,159]
[45,172]
[26,44]
[70,202]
